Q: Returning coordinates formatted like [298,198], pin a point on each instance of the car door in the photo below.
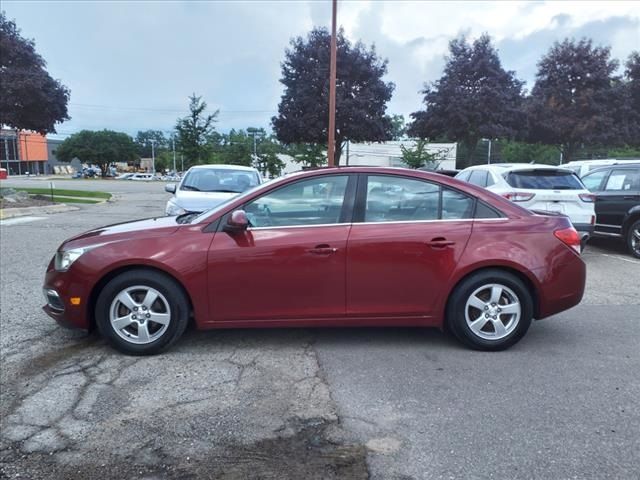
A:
[407,237]
[618,195]
[290,262]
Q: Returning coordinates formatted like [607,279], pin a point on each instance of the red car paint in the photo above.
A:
[347,274]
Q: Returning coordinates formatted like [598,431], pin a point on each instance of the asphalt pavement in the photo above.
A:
[395,403]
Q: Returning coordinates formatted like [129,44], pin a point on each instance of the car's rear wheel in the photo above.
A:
[633,239]
[490,310]
[142,312]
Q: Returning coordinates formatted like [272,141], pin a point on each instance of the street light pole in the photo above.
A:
[489,154]
[331,150]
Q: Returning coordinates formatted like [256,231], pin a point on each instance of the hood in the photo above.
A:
[200,201]
[151,227]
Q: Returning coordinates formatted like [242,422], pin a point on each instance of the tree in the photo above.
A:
[194,131]
[268,161]
[361,94]
[631,99]
[102,148]
[398,127]
[475,98]
[310,155]
[418,156]
[30,99]
[144,140]
[575,100]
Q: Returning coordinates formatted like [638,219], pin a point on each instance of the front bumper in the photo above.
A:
[59,288]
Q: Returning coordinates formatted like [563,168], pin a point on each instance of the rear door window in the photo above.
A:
[623,180]
[544,180]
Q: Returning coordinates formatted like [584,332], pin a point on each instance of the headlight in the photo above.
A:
[173,209]
[65,258]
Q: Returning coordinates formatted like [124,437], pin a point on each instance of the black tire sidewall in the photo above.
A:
[165,285]
[633,226]
[456,310]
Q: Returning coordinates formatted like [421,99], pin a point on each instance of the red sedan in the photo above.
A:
[328,247]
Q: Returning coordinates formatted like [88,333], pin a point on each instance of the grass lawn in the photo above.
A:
[67,195]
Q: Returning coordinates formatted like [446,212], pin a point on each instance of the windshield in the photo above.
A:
[219,180]
[544,180]
[207,213]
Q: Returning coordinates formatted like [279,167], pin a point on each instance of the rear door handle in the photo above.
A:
[440,242]
[323,249]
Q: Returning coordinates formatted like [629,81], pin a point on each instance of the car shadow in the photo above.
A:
[326,336]
[615,245]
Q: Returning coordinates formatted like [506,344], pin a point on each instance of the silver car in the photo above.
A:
[205,186]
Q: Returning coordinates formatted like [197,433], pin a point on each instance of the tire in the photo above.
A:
[142,312]
[484,301]
[633,239]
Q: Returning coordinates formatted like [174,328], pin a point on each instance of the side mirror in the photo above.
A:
[237,222]
[171,188]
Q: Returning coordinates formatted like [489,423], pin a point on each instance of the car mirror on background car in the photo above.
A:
[171,188]
[237,222]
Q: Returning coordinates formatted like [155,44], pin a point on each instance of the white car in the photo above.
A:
[205,186]
[141,177]
[538,187]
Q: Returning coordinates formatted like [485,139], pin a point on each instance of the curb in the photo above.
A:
[48,209]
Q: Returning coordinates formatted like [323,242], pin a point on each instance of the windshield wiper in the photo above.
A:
[190,187]
[222,190]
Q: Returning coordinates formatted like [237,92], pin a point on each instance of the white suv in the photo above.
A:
[538,187]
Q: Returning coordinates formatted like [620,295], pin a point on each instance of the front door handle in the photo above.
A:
[323,249]
[440,242]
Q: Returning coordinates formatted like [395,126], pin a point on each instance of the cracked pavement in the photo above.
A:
[334,403]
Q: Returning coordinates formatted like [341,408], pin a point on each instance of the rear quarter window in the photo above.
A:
[544,180]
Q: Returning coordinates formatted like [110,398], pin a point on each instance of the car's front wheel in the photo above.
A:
[490,310]
[633,239]
[142,312]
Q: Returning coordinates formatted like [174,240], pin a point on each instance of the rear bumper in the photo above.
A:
[562,285]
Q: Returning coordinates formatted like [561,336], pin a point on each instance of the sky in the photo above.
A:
[131,65]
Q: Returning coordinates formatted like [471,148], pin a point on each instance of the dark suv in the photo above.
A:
[617,190]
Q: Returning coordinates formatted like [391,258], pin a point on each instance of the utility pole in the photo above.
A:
[173,144]
[331,150]
[153,156]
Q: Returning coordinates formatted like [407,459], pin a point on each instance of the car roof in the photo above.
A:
[223,167]
[629,164]
[510,167]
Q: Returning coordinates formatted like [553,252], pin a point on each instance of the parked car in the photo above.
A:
[357,246]
[205,186]
[125,176]
[142,177]
[538,187]
[617,191]
[582,167]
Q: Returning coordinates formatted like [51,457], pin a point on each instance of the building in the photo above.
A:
[23,152]
[387,154]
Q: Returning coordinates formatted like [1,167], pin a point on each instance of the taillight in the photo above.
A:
[569,236]
[587,197]
[518,196]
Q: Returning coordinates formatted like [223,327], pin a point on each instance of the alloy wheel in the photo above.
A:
[493,311]
[635,240]
[139,314]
